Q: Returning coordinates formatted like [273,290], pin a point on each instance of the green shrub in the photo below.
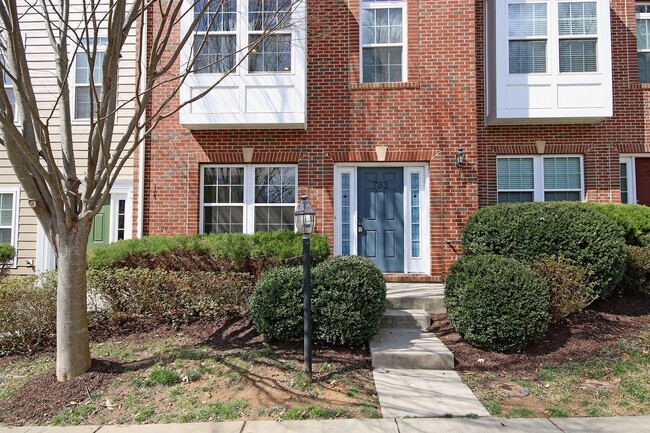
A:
[277,304]
[157,292]
[349,300]
[644,240]
[569,286]
[496,303]
[525,231]
[27,312]
[633,218]
[637,270]
[215,252]
[7,254]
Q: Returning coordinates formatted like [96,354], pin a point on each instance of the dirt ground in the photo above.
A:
[590,334]
[241,367]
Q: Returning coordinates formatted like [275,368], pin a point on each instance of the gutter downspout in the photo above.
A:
[141,147]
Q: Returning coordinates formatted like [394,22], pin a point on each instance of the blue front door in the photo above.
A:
[381,217]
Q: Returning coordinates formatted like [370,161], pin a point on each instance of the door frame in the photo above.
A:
[412,265]
[630,160]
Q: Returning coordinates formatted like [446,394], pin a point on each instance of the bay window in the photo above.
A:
[578,33]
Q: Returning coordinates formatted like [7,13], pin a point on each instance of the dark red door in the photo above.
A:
[642,167]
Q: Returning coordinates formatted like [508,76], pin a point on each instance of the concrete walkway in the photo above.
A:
[639,424]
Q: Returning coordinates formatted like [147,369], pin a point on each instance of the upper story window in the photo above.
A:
[9,206]
[9,90]
[228,26]
[539,178]
[643,40]
[88,78]
[578,33]
[527,37]
[574,33]
[383,35]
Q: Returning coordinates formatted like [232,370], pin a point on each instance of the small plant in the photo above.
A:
[569,286]
[7,254]
[174,319]
[163,376]
[496,303]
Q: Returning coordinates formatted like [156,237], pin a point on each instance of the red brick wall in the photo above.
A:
[600,143]
[427,119]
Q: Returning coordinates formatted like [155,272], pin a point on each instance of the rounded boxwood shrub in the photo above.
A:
[634,219]
[276,304]
[349,300]
[496,303]
[525,231]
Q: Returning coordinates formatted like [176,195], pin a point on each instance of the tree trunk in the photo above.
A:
[72,341]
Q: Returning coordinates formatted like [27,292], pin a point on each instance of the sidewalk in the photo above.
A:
[640,424]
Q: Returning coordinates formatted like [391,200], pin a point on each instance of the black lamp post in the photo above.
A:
[305,217]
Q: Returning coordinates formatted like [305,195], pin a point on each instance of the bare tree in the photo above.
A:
[67,184]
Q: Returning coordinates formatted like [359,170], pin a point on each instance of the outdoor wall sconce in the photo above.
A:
[460,158]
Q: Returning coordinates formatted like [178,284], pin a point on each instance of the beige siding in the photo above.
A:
[40,57]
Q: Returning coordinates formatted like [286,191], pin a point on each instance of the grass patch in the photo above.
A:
[17,373]
[192,410]
[314,412]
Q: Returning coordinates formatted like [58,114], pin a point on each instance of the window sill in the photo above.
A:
[383,86]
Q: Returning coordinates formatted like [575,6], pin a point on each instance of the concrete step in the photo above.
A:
[416,296]
[406,319]
[424,393]
[409,349]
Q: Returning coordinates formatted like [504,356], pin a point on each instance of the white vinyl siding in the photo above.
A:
[247,199]
[383,52]
[539,178]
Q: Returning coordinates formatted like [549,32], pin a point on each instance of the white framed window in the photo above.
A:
[539,178]
[87,80]
[247,198]
[383,41]
[9,208]
[269,52]
[527,37]
[578,36]
[215,38]
[643,41]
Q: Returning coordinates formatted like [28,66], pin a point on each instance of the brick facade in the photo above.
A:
[427,119]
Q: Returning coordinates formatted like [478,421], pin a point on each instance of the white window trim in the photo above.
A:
[413,265]
[630,160]
[249,193]
[121,192]
[15,190]
[73,83]
[370,4]
[538,175]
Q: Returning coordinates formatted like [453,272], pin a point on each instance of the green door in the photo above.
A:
[381,217]
[100,231]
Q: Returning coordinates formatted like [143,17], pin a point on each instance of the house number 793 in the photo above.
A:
[377,184]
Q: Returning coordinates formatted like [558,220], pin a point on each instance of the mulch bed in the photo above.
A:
[41,398]
[591,334]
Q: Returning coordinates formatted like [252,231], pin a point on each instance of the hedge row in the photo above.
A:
[634,219]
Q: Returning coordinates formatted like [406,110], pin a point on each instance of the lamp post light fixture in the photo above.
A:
[305,218]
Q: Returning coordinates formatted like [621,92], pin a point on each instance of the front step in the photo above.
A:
[411,296]
[409,349]
[406,319]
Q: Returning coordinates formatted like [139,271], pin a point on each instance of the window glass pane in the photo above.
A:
[515,197]
[219,16]
[6,210]
[527,57]
[82,103]
[223,219]
[577,18]
[624,187]
[562,196]
[5,236]
[562,173]
[515,173]
[526,20]
[214,53]
[577,55]
[642,40]
[269,218]
[382,65]
[382,26]
[272,53]
[268,14]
